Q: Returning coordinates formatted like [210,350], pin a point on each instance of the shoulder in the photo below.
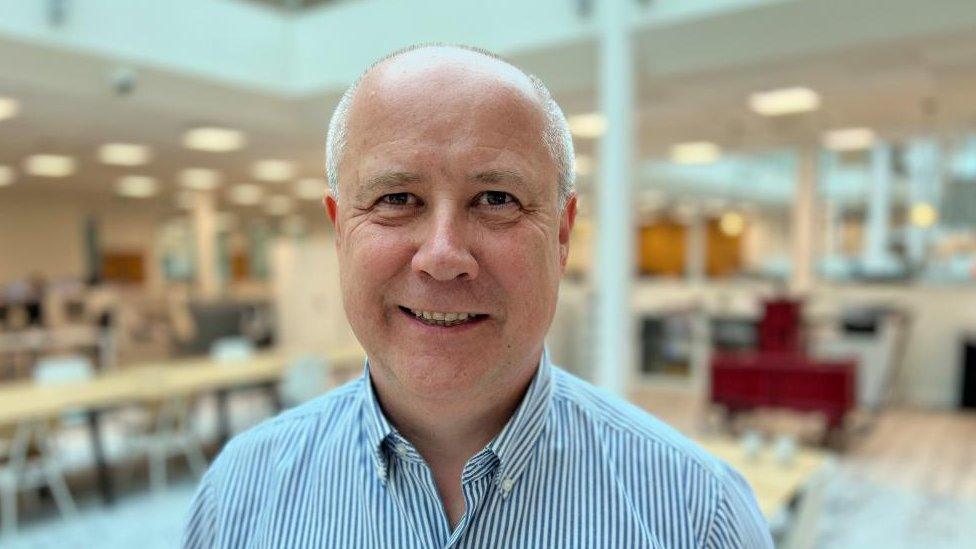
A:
[646,452]
[288,436]
[628,424]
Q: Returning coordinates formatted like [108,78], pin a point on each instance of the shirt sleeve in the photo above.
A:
[200,530]
[738,522]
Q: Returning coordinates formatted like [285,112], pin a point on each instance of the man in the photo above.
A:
[451,194]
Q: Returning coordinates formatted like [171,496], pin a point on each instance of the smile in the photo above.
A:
[444,319]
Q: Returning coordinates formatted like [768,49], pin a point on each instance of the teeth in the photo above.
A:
[442,319]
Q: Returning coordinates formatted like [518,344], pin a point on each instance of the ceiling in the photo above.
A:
[922,84]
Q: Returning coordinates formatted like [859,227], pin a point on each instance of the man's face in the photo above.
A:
[448,204]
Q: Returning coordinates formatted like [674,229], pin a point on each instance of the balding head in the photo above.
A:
[435,74]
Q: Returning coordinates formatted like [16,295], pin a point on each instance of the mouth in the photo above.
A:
[443,319]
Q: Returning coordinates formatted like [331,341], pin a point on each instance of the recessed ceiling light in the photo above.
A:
[137,186]
[583,165]
[200,179]
[923,215]
[273,170]
[279,205]
[50,165]
[246,194]
[784,101]
[9,107]
[849,139]
[124,154]
[732,224]
[589,125]
[6,176]
[696,152]
[310,188]
[212,139]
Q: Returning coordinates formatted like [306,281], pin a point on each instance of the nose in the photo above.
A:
[444,253]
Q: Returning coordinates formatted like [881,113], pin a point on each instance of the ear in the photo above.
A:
[332,207]
[566,220]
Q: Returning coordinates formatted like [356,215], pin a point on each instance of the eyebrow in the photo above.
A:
[385,182]
[497,176]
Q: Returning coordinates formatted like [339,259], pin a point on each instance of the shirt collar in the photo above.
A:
[514,444]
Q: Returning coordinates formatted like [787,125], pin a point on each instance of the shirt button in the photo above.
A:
[401,449]
[507,485]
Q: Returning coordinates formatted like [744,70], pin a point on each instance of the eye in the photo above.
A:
[398,199]
[496,199]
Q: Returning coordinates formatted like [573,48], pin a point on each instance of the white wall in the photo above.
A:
[44,232]
[41,234]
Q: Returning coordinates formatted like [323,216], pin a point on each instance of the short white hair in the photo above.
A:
[555,133]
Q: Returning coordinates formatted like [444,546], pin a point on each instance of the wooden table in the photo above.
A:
[147,383]
[774,484]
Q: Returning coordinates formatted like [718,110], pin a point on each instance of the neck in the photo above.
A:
[448,432]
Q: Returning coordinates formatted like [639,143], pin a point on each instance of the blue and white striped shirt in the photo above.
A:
[574,467]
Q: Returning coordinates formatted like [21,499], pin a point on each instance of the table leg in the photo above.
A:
[223,417]
[274,396]
[101,464]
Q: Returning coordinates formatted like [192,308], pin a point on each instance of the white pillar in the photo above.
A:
[803,229]
[615,343]
[205,234]
[924,173]
[876,260]
[696,247]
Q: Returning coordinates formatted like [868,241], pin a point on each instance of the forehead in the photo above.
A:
[449,101]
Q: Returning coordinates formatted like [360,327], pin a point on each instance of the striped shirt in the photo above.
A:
[573,467]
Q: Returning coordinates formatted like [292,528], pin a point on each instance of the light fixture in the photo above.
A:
[213,139]
[732,224]
[9,107]
[50,165]
[279,205]
[246,194]
[784,101]
[583,165]
[310,188]
[200,179]
[124,154]
[696,152]
[6,176]
[923,215]
[589,125]
[849,139]
[137,186]
[273,170]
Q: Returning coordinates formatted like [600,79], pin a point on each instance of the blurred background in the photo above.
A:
[775,251]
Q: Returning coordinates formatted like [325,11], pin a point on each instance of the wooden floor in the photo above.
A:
[926,451]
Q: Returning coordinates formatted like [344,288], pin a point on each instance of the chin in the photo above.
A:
[439,376]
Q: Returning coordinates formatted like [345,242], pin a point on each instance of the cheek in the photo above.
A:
[370,260]
[528,270]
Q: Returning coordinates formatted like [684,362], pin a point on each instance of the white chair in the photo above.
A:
[801,530]
[231,349]
[305,378]
[165,431]
[31,460]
